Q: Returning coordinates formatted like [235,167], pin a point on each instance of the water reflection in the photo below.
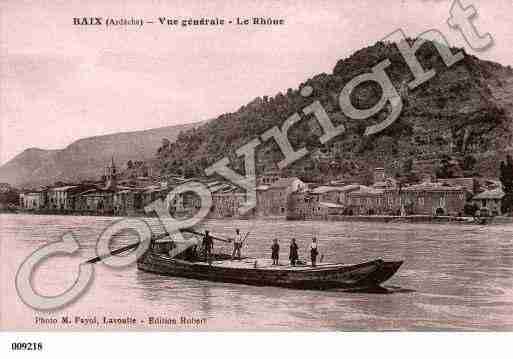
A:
[379,290]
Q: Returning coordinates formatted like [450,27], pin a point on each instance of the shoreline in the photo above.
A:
[333,218]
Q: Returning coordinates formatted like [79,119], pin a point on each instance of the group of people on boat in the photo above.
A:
[238,241]
[294,252]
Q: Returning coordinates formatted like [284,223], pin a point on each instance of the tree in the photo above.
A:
[165,147]
[470,209]
[408,166]
[506,178]
[9,196]
[407,173]
[445,168]
[468,165]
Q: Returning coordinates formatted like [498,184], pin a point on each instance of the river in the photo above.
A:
[454,277]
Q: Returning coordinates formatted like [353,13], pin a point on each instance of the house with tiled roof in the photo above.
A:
[334,194]
[273,202]
[471,184]
[31,200]
[325,201]
[433,198]
[366,201]
[227,201]
[268,178]
[491,200]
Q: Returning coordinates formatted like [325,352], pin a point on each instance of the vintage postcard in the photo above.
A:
[256,166]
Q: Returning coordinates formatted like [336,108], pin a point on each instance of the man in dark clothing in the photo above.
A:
[275,249]
[190,254]
[293,256]
[208,246]
[314,252]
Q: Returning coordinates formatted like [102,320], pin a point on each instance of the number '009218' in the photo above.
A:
[27,346]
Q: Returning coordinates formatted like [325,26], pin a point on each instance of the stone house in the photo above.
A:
[366,201]
[433,199]
[319,202]
[227,202]
[273,201]
[304,205]
[95,201]
[151,193]
[268,179]
[127,202]
[491,200]
[62,199]
[470,184]
[32,200]
[334,194]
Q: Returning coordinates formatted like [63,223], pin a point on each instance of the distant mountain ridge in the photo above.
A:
[85,158]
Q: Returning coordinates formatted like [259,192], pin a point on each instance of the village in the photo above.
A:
[277,197]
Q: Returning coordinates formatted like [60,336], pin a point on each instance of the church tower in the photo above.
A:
[111,175]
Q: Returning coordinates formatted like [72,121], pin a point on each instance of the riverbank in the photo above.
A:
[331,218]
[405,219]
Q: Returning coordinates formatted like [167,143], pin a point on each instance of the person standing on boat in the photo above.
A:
[208,246]
[293,256]
[237,244]
[275,251]
[313,251]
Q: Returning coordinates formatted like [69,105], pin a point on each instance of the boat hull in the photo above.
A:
[364,275]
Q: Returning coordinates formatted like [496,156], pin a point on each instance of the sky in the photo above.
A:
[61,82]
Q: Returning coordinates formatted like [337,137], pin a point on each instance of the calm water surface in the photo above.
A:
[455,277]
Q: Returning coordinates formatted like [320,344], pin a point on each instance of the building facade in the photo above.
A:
[95,201]
[272,201]
[31,200]
[227,203]
[62,199]
[366,201]
[434,199]
[127,202]
[490,200]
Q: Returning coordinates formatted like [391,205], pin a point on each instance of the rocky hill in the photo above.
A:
[85,158]
[463,115]
[462,118]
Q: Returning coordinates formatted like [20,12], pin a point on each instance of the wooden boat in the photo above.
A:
[261,272]
[253,271]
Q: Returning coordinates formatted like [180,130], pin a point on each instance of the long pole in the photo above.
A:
[135,245]
[122,249]
[113,253]
[245,237]
[188,230]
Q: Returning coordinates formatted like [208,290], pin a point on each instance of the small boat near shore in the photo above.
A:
[261,272]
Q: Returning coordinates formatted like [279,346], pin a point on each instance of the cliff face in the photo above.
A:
[85,158]
[464,111]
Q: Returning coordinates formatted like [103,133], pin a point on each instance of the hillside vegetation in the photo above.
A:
[458,123]
[463,114]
